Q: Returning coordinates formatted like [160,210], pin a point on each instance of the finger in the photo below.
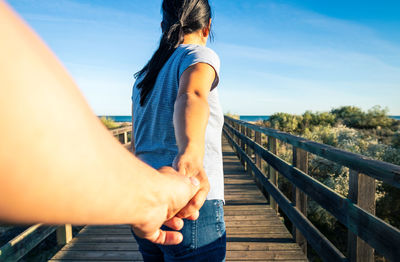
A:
[181,168]
[194,216]
[166,237]
[194,204]
[167,170]
[174,223]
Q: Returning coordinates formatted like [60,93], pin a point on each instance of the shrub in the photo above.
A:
[109,122]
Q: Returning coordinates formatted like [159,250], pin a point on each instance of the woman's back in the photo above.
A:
[153,127]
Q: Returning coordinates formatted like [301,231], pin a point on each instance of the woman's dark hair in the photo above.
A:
[180,17]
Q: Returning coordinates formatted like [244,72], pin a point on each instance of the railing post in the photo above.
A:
[125,138]
[64,234]
[243,144]
[249,150]
[361,192]
[258,161]
[235,137]
[273,178]
[258,157]
[300,160]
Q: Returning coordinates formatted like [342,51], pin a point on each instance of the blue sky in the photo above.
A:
[276,56]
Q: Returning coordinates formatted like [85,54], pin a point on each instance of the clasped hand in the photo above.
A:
[184,193]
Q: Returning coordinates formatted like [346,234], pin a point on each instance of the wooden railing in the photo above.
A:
[122,134]
[20,245]
[357,212]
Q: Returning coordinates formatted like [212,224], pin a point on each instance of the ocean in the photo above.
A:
[120,118]
[251,118]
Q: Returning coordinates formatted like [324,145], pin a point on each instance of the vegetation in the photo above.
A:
[109,122]
[370,133]
[232,115]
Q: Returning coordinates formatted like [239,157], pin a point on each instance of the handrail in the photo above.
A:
[121,130]
[20,245]
[122,134]
[380,235]
[380,170]
[320,243]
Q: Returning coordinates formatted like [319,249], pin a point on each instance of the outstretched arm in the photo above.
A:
[58,163]
[191,114]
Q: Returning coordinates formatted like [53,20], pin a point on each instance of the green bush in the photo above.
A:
[354,117]
[372,134]
[109,122]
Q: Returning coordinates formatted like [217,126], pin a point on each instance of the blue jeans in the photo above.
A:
[203,239]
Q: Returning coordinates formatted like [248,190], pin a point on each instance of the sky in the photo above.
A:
[276,56]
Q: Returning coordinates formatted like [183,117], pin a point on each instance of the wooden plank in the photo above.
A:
[361,192]
[102,247]
[262,255]
[98,255]
[300,161]
[379,234]
[389,173]
[249,212]
[91,260]
[245,223]
[261,246]
[279,229]
[102,239]
[249,207]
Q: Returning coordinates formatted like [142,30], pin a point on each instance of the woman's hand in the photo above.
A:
[176,190]
[190,164]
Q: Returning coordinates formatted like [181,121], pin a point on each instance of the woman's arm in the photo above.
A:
[191,114]
[58,163]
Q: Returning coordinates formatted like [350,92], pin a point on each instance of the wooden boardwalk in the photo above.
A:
[254,231]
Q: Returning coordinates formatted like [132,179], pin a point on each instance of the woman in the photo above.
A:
[177,121]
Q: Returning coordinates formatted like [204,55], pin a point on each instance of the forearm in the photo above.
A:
[58,163]
[191,114]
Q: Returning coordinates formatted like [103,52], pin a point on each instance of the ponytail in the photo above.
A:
[180,17]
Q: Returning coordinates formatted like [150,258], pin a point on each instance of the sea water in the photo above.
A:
[251,118]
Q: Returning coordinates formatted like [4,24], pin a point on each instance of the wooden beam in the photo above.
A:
[242,143]
[300,160]
[64,234]
[248,149]
[361,192]
[258,141]
[272,174]
[125,138]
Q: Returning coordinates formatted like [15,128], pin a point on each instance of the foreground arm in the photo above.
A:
[58,163]
[191,114]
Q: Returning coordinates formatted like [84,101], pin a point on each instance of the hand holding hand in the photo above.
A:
[191,166]
[176,190]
